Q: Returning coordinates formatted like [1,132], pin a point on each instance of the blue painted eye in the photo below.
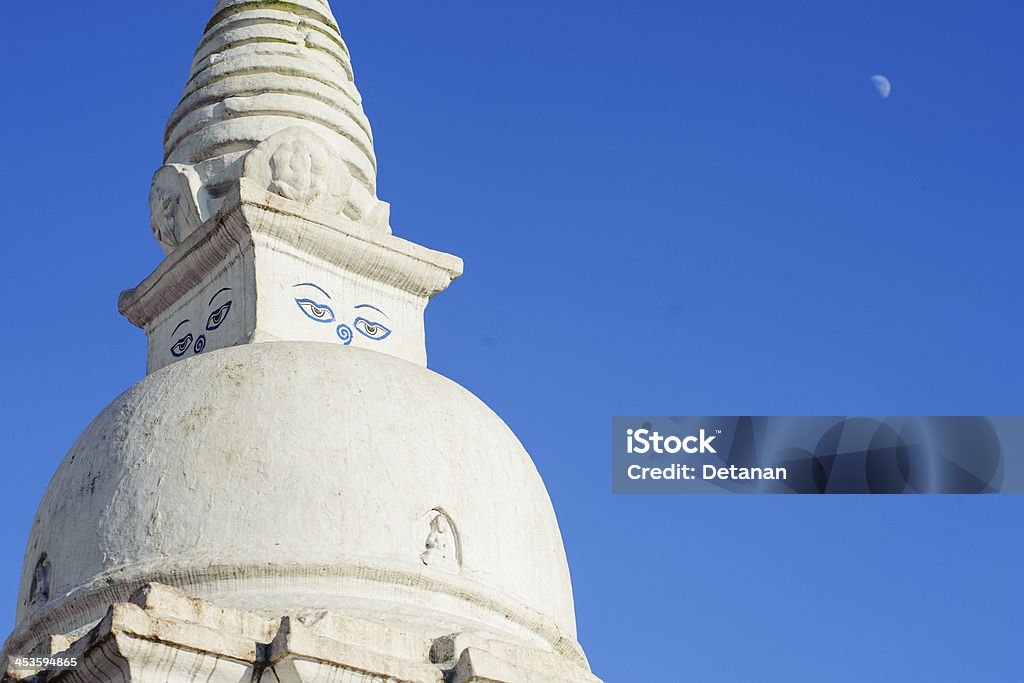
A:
[315,311]
[370,329]
[217,317]
[181,346]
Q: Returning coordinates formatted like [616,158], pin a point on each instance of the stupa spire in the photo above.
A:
[267,71]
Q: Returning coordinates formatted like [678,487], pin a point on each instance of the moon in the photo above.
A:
[882,85]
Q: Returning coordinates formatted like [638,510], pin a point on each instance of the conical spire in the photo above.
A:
[262,69]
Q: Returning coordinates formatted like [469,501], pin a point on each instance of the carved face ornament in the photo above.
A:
[298,171]
[163,203]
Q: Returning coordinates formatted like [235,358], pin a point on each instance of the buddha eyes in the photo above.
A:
[218,317]
[318,312]
[181,346]
[370,329]
[322,313]
[197,342]
[314,310]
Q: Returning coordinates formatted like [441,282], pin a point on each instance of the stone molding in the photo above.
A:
[361,579]
[253,216]
[160,635]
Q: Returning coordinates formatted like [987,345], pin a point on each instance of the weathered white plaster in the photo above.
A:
[338,511]
[293,475]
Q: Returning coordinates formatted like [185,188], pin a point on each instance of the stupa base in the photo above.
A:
[161,634]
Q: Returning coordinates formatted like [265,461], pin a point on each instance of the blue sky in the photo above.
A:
[664,208]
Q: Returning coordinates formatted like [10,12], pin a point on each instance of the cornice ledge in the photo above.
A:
[252,217]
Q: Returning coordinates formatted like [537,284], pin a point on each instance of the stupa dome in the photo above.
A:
[290,476]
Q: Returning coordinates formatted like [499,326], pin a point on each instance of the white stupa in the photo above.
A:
[290,495]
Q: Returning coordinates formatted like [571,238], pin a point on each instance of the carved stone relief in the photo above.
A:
[39,593]
[174,209]
[298,165]
[441,548]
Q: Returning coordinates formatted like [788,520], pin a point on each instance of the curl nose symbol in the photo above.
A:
[345,334]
